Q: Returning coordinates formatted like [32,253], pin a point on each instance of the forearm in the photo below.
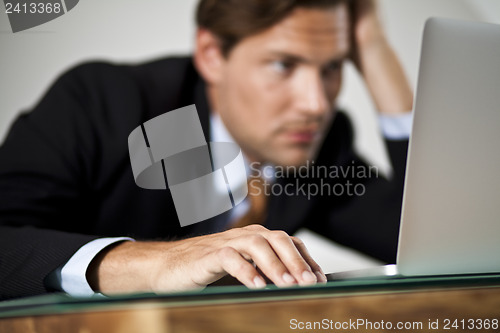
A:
[377,61]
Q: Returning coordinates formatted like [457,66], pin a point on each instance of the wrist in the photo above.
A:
[395,112]
[125,267]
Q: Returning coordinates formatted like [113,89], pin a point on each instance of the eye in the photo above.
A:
[332,68]
[281,66]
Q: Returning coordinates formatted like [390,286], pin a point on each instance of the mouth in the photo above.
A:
[302,136]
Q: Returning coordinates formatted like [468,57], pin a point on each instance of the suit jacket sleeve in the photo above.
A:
[65,174]
[45,186]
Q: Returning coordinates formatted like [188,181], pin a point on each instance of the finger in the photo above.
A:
[257,247]
[291,257]
[235,265]
[301,247]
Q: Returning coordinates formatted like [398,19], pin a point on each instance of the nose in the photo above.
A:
[311,95]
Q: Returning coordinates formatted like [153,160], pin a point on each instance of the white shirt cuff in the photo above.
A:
[73,274]
[396,127]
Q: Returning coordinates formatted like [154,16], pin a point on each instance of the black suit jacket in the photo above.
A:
[66,178]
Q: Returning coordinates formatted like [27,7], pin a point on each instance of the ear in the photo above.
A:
[208,57]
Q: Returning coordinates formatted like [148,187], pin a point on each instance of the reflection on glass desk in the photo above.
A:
[367,305]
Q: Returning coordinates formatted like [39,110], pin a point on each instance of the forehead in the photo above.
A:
[316,34]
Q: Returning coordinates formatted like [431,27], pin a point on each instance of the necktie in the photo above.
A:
[257,197]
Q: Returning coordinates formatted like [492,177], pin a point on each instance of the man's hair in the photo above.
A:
[233,20]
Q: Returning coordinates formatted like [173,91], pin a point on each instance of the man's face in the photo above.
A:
[277,89]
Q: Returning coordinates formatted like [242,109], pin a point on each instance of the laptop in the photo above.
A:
[450,221]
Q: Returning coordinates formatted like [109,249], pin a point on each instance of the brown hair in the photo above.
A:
[233,20]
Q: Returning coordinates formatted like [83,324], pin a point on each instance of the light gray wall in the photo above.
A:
[118,30]
[125,30]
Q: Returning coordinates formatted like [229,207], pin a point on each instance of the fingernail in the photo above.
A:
[320,276]
[288,278]
[308,276]
[259,282]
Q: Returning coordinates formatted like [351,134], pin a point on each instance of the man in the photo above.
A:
[266,74]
